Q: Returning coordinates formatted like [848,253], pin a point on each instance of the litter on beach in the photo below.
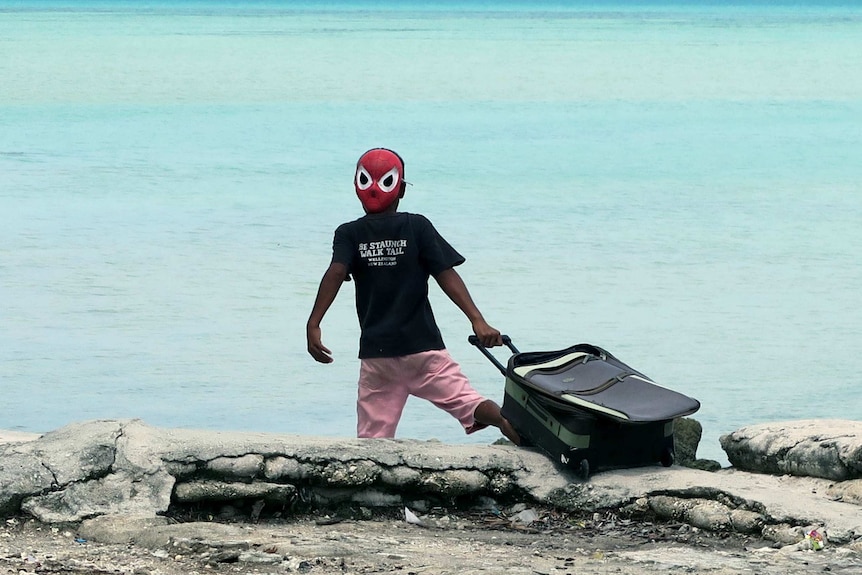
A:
[411,517]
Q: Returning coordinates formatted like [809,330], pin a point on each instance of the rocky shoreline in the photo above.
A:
[123,497]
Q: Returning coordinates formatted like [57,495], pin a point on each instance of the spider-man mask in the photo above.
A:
[379,179]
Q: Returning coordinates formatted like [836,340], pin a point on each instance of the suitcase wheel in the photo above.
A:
[584,469]
[667,457]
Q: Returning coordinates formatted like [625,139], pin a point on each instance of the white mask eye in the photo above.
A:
[389,180]
[363,178]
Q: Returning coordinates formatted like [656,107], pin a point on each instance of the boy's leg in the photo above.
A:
[381,397]
[441,381]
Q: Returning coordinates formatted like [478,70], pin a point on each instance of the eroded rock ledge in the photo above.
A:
[104,469]
[828,448]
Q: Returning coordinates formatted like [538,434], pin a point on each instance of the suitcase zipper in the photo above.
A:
[604,386]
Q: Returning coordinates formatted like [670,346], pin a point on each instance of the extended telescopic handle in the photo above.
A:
[506,340]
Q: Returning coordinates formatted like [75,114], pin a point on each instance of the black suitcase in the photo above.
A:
[588,410]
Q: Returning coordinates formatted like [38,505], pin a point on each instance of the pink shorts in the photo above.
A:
[385,383]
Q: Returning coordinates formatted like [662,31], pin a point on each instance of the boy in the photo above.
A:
[391,255]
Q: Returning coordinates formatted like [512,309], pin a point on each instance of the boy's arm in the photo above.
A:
[329,286]
[453,286]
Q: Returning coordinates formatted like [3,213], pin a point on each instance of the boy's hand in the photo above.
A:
[488,336]
[315,346]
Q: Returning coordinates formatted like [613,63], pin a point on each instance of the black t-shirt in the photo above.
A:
[390,257]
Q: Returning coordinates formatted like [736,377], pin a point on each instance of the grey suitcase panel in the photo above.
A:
[593,379]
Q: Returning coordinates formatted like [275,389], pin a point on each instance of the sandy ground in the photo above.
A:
[444,544]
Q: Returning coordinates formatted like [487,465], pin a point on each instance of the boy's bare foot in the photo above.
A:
[509,431]
[488,413]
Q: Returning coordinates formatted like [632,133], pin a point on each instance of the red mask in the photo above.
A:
[379,179]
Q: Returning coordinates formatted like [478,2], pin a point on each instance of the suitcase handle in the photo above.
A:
[506,340]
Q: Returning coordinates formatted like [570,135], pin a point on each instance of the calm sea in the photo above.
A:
[678,183]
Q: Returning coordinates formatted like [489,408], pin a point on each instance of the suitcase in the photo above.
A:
[588,410]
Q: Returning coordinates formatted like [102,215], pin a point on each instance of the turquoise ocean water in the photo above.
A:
[678,183]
